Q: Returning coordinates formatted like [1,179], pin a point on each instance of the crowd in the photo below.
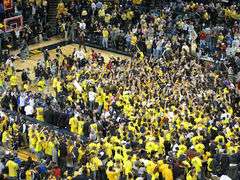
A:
[131,118]
[123,24]
[162,114]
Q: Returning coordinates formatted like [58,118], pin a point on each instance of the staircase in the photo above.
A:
[52,12]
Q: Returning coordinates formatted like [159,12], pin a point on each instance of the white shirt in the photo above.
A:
[22,101]
[82,25]
[175,146]
[31,102]
[24,128]
[9,62]
[225,177]
[230,51]
[28,110]
[1,167]
[91,96]
[225,115]
[93,6]
[186,48]
[185,27]
[33,10]
[170,115]
[17,33]
[134,30]
[235,43]
[79,55]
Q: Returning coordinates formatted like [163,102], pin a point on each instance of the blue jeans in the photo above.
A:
[128,45]
[202,44]
[149,52]
[91,104]
[156,53]
[149,177]
[40,155]
[100,109]
[105,42]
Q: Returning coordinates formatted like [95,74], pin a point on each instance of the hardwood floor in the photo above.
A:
[35,56]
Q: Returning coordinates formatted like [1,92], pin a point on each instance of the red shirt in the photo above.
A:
[94,56]
[57,172]
[202,35]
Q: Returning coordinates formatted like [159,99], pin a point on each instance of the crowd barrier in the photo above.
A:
[30,120]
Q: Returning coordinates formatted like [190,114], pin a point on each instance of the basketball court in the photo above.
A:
[36,55]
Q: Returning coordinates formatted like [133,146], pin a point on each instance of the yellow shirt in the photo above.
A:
[32,142]
[124,16]
[12,168]
[151,167]
[112,175]
[40,114]
[73,122]
[26,87]
[199,148]
[59,86]
[191,177]
[130,15]
[41,85]
[166,172]
[127,167]
[54,83]
[134,40]
[80,127]
[39,146]
[197,163]
[13,80]
[182,149]
[29,175]
[9,71]
[137,2]
[218,138]
[101,13]
[49,148]
[5,136]
[107,18]
[108,148]
[3,124]
[1,80]
[105,33]
[220,37]
[95,162]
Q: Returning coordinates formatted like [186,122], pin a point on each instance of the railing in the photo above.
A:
[30,120]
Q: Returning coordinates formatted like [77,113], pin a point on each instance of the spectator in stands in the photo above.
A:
[105,35]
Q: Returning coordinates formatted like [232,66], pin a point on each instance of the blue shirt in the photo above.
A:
[99,5]
[42,169]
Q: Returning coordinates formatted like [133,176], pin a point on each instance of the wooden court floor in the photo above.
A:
[31,62]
